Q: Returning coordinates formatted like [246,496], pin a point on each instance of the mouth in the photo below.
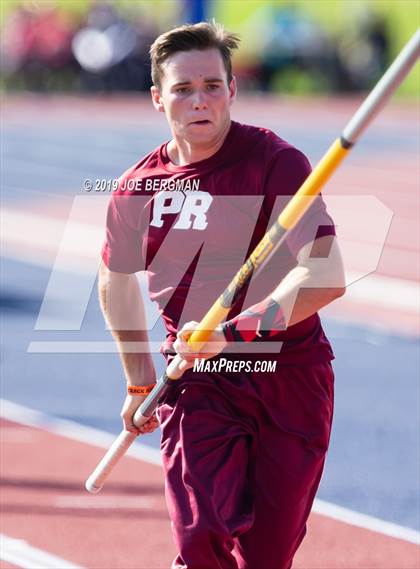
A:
[201,122]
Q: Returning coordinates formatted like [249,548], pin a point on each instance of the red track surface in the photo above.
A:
[127,526]
[84,529]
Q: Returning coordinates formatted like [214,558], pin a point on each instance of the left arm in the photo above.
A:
[317,280]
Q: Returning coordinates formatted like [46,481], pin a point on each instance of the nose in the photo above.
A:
[199,101]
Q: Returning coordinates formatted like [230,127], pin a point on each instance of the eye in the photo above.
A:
[213,87]
[182,90]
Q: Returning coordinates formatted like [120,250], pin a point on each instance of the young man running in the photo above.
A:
[243,450]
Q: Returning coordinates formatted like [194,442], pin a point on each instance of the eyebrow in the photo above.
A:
[207,80]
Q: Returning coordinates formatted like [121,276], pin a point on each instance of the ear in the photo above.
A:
[157,99]
[232,91]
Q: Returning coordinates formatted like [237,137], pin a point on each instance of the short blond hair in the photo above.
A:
[201,36]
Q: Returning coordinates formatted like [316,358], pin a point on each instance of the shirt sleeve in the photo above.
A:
[286,173]
[122,249]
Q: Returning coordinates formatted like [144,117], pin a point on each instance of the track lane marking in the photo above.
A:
[365,521]
[20,553]
[18,413]
[72,430]
[105,502]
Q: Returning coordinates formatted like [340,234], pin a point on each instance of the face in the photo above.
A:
[195,95]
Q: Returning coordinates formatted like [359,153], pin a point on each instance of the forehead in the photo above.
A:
[193,65]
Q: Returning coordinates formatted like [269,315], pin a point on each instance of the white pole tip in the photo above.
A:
[90,487]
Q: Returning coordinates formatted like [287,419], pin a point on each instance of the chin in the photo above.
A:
[200,133]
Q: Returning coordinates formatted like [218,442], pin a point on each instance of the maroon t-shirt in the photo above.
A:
[191,228]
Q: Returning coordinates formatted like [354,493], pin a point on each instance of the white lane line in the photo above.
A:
[378,290]
[74,431]
[22,554]
[366,522]
[48,231]
[105,502]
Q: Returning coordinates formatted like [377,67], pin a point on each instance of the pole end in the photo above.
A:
[91,487]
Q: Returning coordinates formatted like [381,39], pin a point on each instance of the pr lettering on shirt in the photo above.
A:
[192,209]
[170,185]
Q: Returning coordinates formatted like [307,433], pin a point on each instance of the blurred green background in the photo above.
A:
[276,38]
[339,17]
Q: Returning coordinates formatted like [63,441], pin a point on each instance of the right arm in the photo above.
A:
[123,309]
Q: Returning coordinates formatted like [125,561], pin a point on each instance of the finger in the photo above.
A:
[150,420]
[154,417]
[187,330]
[181,333]
[189,326]
[150,426]
[147,432]
[185,364]
[183,336]
[181,346]
[130,426]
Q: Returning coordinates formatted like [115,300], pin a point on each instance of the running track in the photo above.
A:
[49,147]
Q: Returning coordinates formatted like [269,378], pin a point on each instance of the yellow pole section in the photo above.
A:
[312,185]
[211,320]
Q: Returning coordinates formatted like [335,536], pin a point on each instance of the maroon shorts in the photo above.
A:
[243,456]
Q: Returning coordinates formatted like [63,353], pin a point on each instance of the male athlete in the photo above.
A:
[243,450]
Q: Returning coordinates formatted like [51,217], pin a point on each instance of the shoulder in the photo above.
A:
[258,138]
[270,149]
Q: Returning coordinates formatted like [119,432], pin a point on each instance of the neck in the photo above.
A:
[181,152]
